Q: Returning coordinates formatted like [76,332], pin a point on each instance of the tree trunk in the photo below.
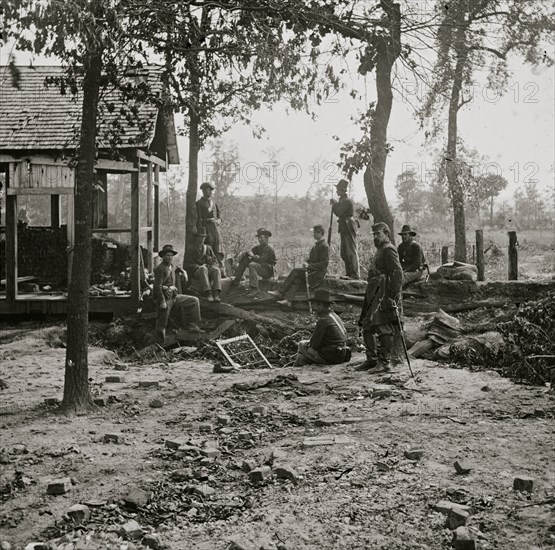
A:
[77,397]
[388,49]
[455,187]
[192,186]
[491,211]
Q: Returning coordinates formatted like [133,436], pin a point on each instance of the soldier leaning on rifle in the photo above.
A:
[315,267]
[344,209]
[383,294]
[166,296]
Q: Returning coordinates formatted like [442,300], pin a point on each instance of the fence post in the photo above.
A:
[444,254]
[513,256]
[480,254]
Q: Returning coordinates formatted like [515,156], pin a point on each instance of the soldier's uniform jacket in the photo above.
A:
[318,260]
[266,255]
[198,257]
[385,280]
[411,256]
[207,214]
[345,210]
[330,338]
[164,277]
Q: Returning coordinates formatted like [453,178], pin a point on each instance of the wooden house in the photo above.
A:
[39,131]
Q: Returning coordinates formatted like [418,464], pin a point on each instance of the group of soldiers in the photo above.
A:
[392,268]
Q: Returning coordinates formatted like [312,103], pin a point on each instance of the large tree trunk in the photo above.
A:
[77,397]
[388,49]
[455,187]
[192,186]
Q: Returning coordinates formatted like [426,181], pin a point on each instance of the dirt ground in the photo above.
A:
[357,491]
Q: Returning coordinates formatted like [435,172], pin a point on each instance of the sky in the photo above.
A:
[514,132]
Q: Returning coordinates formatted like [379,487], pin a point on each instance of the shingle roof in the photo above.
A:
[38,117]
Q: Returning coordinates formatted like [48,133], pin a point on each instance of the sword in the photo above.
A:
[402,333]
[307,290]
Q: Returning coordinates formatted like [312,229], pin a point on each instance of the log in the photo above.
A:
[227,310]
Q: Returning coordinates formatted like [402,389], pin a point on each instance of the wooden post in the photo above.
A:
[135,243]
[11,248]
[156,217]
[444,254]
[149,222]
[54,211]
[480,264]
[102,199]
[513,256]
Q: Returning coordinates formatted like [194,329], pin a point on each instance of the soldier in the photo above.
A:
[166,297]
[410,256]
[383,294]
[203,267]
[260,261]
[328,343]
[344,209]
[316,267]
[208,217]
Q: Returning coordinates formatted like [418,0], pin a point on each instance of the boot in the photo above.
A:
[371,356]
[384,354]
[216,294]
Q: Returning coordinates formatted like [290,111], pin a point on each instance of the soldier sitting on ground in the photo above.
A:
[202,266]
[328,343]
[260,262]
[411,256]
[166,296]
[315,268]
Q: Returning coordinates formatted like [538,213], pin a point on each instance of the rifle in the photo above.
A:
[307,290]
[331,225]
[402,333]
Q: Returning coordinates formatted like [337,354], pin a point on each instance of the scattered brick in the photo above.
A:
[52,401]
[260,474]
[223,420]
[462,539]
[149,384]
[156,404]
[317,441]
[539,413]
[203,490]
[210,452]
[462,468]
[79,513]
[175,443]
[101,401]
[445,506]
[114,438]
[457,518]
[286,472]
[248,465]
[115,379]
[524,484]
[152,540]
[414,454]
[183,474]
[244,435]
[136,498]
[205,427]
[131,530]
[260,410]
[59,486]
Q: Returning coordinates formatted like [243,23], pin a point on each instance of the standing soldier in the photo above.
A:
[344,209]
[383,295]
[208,217]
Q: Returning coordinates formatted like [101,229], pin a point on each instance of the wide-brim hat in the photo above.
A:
[263,231]
[380,226]
[319,227]
[167,249]
[322,296]
[200,233]
[206,184]
[406,229]
[342,184]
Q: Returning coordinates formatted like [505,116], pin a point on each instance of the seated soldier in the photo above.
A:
[315,267]
[328,344]
[202,266]
[260,262]
[411,256]
[166,296]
